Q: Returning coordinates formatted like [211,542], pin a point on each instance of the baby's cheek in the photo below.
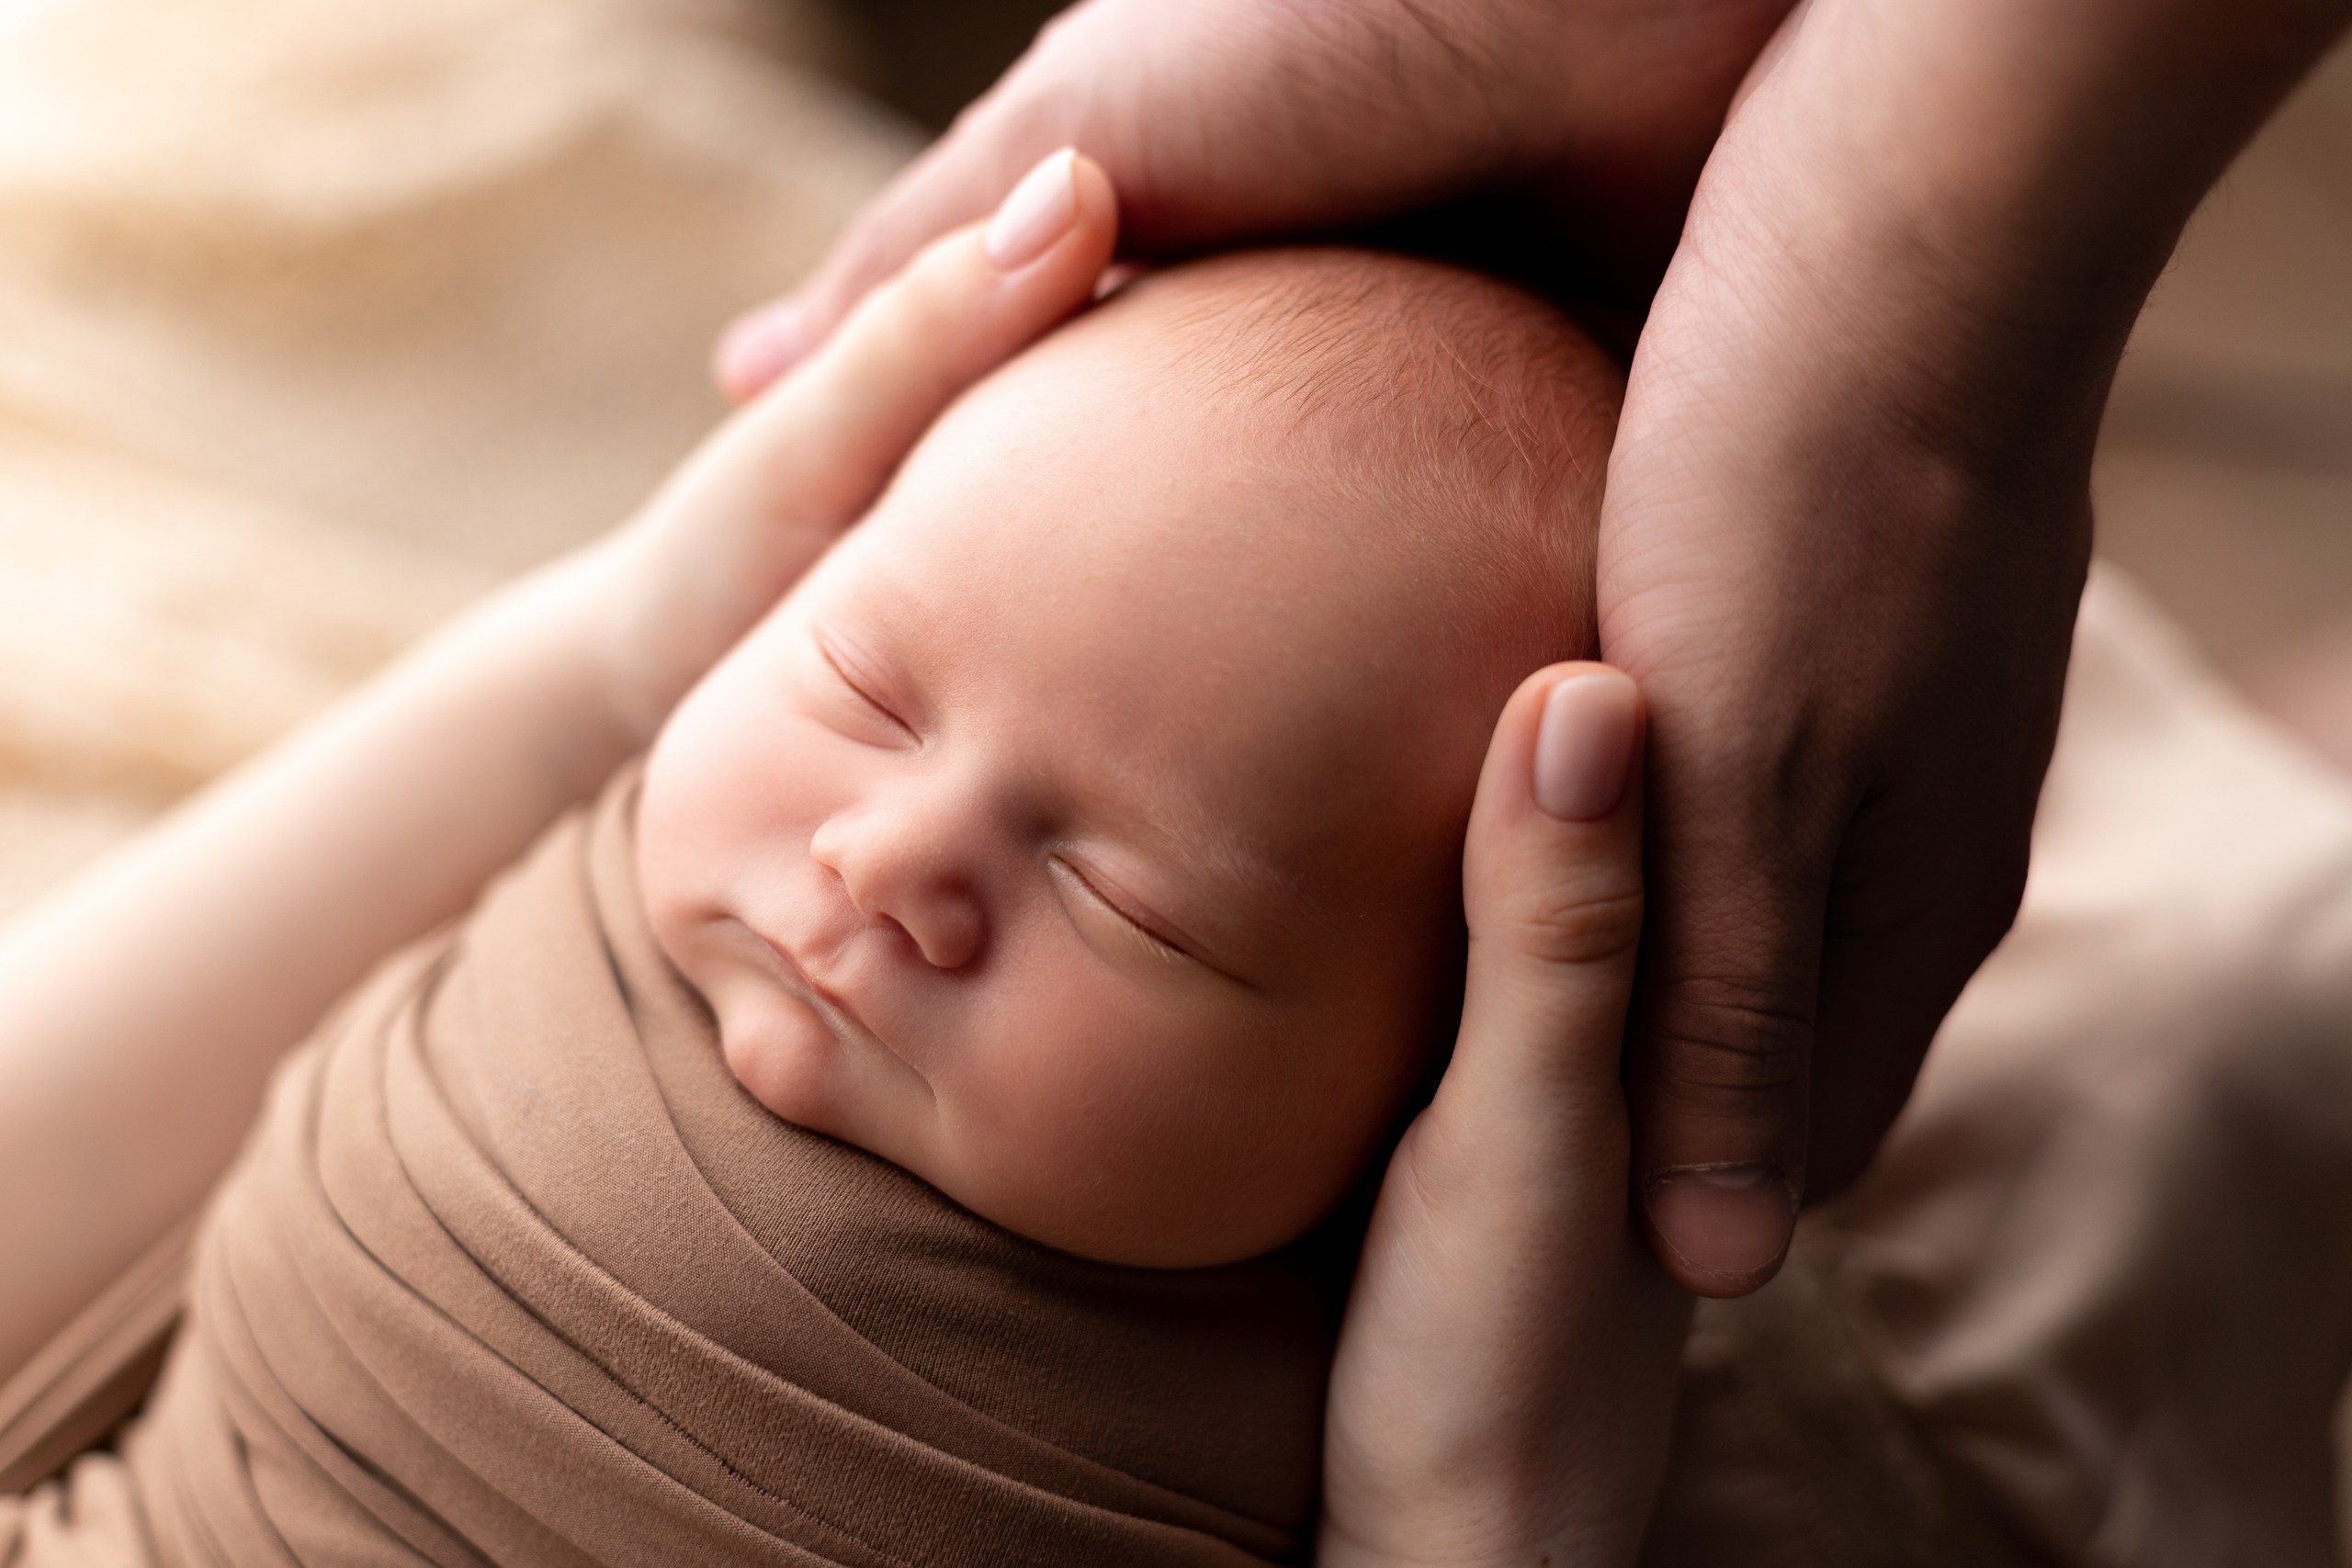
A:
[691,813]
[1271,1126]
[1163,1137]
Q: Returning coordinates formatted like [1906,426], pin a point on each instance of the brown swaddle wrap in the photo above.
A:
[514,1272]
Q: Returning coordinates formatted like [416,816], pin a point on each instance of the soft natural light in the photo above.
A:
[14,13]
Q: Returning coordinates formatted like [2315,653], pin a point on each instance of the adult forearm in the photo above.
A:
[2070,131]
[145,1005]
[1985,190]
[1232,121]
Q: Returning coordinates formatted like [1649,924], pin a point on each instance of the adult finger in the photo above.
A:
[1928,879]
[1723,1029]
[961,308]
[769,492]
[1226,121]
[1505,1377]
[952,184]
[1038,107]
[1552,880]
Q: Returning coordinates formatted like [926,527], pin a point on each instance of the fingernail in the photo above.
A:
[1728,1223]
[1038,213]
[760,345]
[1584,746]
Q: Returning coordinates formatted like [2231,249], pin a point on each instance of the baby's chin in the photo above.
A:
[787,1058]
[1116,1194]
[784,1056]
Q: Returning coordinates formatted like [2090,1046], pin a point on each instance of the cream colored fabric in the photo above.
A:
[316,317]
[513,1271]
[2093,1303]
[2108,1256]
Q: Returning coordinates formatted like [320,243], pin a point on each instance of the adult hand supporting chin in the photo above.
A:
[1504,1384]
[1848,508]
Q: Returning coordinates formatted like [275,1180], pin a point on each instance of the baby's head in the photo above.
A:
[1084,833]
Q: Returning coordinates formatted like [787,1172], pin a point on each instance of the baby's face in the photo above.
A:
[1081,835]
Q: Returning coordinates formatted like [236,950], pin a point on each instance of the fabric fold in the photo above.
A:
[514,1272]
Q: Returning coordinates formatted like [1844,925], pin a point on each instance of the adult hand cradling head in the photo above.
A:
[1084,833]
[1847,513]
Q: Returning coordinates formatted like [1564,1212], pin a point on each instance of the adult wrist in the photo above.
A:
[1972,197]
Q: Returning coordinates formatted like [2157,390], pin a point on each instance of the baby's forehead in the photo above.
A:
[1440,417]
[1098,517]
[1274,534]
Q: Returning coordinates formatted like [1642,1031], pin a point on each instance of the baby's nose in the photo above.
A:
[897,875]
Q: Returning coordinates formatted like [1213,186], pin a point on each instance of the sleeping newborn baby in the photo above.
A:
[903,1123]
[1082,835]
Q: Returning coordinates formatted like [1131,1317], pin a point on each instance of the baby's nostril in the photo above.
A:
[948,934]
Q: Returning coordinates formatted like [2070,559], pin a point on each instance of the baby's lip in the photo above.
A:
[831,1004]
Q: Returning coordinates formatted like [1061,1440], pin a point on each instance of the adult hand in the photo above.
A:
[754,505]
[1845,533]
[1505,1378]
[1228,119]
[1848,508]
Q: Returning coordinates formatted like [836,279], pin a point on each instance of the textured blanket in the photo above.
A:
[513,1271]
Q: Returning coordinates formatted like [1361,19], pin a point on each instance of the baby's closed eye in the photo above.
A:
[856,697]
[1095,910]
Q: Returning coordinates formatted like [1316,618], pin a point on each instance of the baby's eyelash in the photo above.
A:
[1152,939]
[857,689]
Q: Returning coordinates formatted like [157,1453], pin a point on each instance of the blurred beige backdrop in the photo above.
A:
[315,318]
[2225,478]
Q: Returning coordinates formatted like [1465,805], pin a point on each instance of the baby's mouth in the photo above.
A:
[834,1008]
